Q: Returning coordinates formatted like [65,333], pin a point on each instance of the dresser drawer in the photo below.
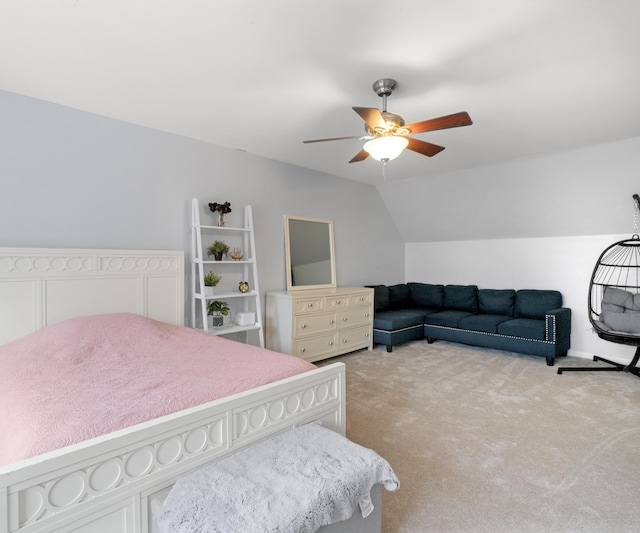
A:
[364,298]
[315,347]
[309,305]
[355,317]
[305,325]
[337,302]
[353,338]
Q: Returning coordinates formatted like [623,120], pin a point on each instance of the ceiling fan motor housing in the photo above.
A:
[384,86]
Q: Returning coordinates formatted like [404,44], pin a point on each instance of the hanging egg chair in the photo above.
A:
[614,299]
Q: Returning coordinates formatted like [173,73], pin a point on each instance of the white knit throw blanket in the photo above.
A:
[295,482]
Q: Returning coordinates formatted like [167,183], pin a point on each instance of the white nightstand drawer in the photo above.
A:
[305,325]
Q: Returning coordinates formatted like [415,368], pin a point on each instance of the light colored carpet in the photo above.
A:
[489,441]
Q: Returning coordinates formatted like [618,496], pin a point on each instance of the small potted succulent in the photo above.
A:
[216,310]
[218,249]
[211,279]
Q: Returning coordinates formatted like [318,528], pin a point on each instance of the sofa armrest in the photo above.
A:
[558,326]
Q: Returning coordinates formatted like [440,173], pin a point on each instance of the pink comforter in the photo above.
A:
[89,376]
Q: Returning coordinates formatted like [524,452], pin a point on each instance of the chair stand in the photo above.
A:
[615,367]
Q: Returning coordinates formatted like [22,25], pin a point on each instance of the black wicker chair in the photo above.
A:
[618,268]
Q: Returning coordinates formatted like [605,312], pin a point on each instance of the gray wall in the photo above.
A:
[581,192]
[74,179]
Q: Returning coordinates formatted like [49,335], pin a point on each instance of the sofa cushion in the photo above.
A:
[496,301]
[395,319]
[449,318]
[399,296]
[483,322]
[426,295]
[461,298]
[536,303]
[527,328]
[380,297]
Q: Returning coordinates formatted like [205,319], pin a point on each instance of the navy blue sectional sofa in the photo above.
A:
[526,321]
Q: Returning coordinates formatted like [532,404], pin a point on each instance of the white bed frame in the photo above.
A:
[106,484]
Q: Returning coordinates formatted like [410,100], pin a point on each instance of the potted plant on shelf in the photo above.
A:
[216,310]
[211,279]
[218,249]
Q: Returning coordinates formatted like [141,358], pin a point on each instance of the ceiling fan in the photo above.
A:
[387,133]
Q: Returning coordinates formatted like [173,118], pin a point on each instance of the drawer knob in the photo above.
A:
[367,315]
[309,304]
[331,321]
[338,302]
[303,326]
[344,319]
[366,334]
[330,343]
[345,341]
[303,350]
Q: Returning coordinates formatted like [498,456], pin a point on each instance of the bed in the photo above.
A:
[109,482]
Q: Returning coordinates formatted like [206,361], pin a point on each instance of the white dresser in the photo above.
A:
[320,323]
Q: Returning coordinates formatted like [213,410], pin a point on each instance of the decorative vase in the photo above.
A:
[216,320]
[218,256]
[208,290]
[221,220]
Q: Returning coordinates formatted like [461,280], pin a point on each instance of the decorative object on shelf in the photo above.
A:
[211,279]
[245,319]
[218,249]
[222,210]
[236,254]
[243,286]
[216,310]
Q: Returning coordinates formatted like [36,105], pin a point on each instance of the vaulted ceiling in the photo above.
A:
[536,76]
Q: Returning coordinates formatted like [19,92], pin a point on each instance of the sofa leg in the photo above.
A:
[389,348]
[550,361]
[430,340]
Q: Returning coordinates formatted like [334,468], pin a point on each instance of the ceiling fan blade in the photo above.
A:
[360,156]
[423,147]
[332,139]
[371,116]
[449,121]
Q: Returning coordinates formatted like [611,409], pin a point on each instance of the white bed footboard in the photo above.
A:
[104,485]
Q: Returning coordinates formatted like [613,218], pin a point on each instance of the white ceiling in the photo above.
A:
[536,76]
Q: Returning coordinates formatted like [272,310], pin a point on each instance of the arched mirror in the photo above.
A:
[310,253]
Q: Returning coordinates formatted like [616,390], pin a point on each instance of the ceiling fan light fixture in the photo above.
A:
[386,148]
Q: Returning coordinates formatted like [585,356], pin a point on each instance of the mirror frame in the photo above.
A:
[287,241]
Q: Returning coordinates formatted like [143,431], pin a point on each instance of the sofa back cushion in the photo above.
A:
[461,298]
[399,296]
[496,301]
[535,303]
[426,295]
[380,297]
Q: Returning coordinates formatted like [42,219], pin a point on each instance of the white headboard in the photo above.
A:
[42,286]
